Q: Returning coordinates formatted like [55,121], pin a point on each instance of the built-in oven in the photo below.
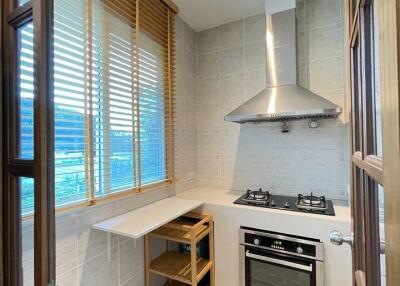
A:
[276,259]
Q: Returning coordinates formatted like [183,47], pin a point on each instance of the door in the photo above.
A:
[374,115]
[366,146]
[27,146]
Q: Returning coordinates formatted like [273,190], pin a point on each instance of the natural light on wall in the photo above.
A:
[113,108]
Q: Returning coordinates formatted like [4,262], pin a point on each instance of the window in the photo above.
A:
[113,86]
[25,91]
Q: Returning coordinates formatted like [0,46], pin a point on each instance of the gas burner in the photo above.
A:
[305,204]
[311,202]
[259,196]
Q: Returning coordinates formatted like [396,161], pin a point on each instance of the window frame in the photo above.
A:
[169,91]
[39,12]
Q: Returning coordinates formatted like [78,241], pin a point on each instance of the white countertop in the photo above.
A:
[226,198]
[141,221]
[229,217]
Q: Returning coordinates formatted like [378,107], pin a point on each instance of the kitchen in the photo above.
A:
[260,161]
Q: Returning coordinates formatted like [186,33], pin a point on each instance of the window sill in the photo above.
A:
[107,198]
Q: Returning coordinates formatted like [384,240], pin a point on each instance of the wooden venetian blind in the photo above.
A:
[114,78]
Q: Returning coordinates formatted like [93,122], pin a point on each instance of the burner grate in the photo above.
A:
[311,202]
[259,196]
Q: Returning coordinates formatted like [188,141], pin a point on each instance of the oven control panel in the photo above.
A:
[273,241]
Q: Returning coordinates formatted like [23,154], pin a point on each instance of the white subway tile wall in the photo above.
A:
[231,69]
[82,253]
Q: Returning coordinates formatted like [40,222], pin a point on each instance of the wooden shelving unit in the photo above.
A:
[180,268]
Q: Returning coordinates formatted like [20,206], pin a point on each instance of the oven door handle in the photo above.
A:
[278,261]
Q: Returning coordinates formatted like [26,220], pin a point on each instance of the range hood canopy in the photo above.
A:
[283,99]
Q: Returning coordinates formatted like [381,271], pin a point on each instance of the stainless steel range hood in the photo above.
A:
[283,99]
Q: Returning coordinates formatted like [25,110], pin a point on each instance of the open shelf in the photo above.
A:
[182,236]
[177,266]
[189,230]
[183,228]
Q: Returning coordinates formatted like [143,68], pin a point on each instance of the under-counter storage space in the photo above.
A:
[189,263]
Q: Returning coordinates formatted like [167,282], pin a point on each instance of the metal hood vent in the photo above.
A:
[283,99]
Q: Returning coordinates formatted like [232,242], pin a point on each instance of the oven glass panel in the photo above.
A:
[268,274]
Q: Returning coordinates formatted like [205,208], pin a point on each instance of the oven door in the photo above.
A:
[264,268]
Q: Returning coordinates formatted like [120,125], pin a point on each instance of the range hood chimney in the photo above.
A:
[283,99]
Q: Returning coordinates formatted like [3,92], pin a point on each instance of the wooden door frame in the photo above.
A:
[386,172]
[389,24]
[366,166]
[41,168]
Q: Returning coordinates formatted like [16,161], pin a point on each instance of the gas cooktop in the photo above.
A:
[301,203]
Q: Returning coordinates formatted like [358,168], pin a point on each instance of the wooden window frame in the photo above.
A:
[41,168]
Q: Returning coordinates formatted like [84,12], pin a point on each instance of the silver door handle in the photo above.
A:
[338,238]
[278,261]
[382,246]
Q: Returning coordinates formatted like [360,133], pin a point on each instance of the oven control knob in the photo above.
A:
[299,250]
[286,205]
[272,203]
[256,241]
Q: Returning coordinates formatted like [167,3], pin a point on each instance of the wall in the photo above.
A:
[82,253]
[185,108]
[231,69]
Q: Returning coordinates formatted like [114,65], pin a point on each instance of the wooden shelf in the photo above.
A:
[181,236]
[181,229]
[177,266]
[181,268]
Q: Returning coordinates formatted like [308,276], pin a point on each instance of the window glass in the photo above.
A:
[355,62]
[22,2]
[70,101]
[113,38]
[381,209]
[25,91]
[377,97]
[26,185]
[152,124]
[96,102]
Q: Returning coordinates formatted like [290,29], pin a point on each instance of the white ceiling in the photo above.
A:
[204,14]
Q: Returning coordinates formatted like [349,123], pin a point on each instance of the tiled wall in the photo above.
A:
[82,256]
[82,253]
[320,47]
[185,137]
[231,69]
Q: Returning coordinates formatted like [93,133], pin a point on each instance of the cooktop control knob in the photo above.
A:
[286,205]
[256,241]
[299,250]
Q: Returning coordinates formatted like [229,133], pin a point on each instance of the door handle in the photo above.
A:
[279,261]
[382,247]
[338,238]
